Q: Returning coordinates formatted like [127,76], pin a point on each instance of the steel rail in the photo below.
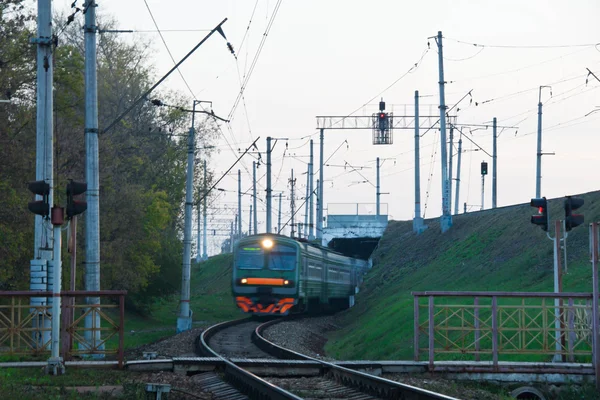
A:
[250,384]
[366,383]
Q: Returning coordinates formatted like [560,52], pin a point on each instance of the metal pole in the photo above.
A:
[92,223]
[239,220]
[320,213]
[377,194]
[538,169]
[446,219]
[417,220]
[55,364]
[204,234]
[557,289]
[279,216]
[292,205]
[482,190]
[494,166]
[595,299]
[311,167]
[255,216]
[456,196]
[269,184]
[184,321]
[450,169]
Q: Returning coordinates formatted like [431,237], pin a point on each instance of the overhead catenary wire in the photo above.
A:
[255,60]
[168,50]
[524,46]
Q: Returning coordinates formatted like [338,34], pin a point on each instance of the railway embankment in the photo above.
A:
[491,250]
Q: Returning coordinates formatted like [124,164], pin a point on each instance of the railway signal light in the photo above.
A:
[39,207]
[542,218]
[75,207]
[484,168]
[382,119]
[573,220]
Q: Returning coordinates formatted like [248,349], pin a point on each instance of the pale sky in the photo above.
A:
[330,57]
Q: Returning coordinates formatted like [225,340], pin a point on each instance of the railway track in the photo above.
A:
[243,339]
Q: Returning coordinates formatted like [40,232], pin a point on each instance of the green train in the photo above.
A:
[276,275]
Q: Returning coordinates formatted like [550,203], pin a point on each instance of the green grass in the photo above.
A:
[211,301]
[34,384]
[495,250]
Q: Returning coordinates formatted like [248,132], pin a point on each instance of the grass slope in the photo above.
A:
[210,301]
[494,250]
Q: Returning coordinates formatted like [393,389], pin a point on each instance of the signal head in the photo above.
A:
[542,218]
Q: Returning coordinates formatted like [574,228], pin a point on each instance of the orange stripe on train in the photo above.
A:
[281,307]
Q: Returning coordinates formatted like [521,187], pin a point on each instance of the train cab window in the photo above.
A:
[250,257]
[282,257]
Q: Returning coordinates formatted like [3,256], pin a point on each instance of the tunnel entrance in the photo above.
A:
[359,247]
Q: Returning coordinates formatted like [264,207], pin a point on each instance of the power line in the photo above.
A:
[413,68]
[255,60]
[498,46]
[168,50]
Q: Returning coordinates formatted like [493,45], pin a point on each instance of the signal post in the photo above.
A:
[571,221]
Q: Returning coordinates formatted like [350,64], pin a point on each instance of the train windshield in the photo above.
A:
[282,257]
[251,257]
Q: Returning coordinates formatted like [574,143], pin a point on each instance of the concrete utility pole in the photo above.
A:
[43,236]
[446,219]
[494,166]
[279,216]
[538,174]
[231,238]
[254,216]
[92,174]
[239,217]
[318,208]
[377,194]
[198,236]
[184,321]
[320,213]
[269,184]
[458,174]
[306,228]
[292,205]
[204,200]
[450,169]
[418,225]
[311,215]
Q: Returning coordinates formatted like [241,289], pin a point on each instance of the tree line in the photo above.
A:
[142,159]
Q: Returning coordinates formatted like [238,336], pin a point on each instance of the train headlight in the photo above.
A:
[267,243]
[243,280]
[286,282]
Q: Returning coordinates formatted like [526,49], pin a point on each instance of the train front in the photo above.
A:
[265,274]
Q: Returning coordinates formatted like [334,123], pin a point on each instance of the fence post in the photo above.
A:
[416,328]
[495,332]
[594,251]
[477,333]
[121,327]
[571,329]
[431,333]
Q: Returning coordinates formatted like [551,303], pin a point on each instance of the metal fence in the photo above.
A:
[25,329]
[497,326]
